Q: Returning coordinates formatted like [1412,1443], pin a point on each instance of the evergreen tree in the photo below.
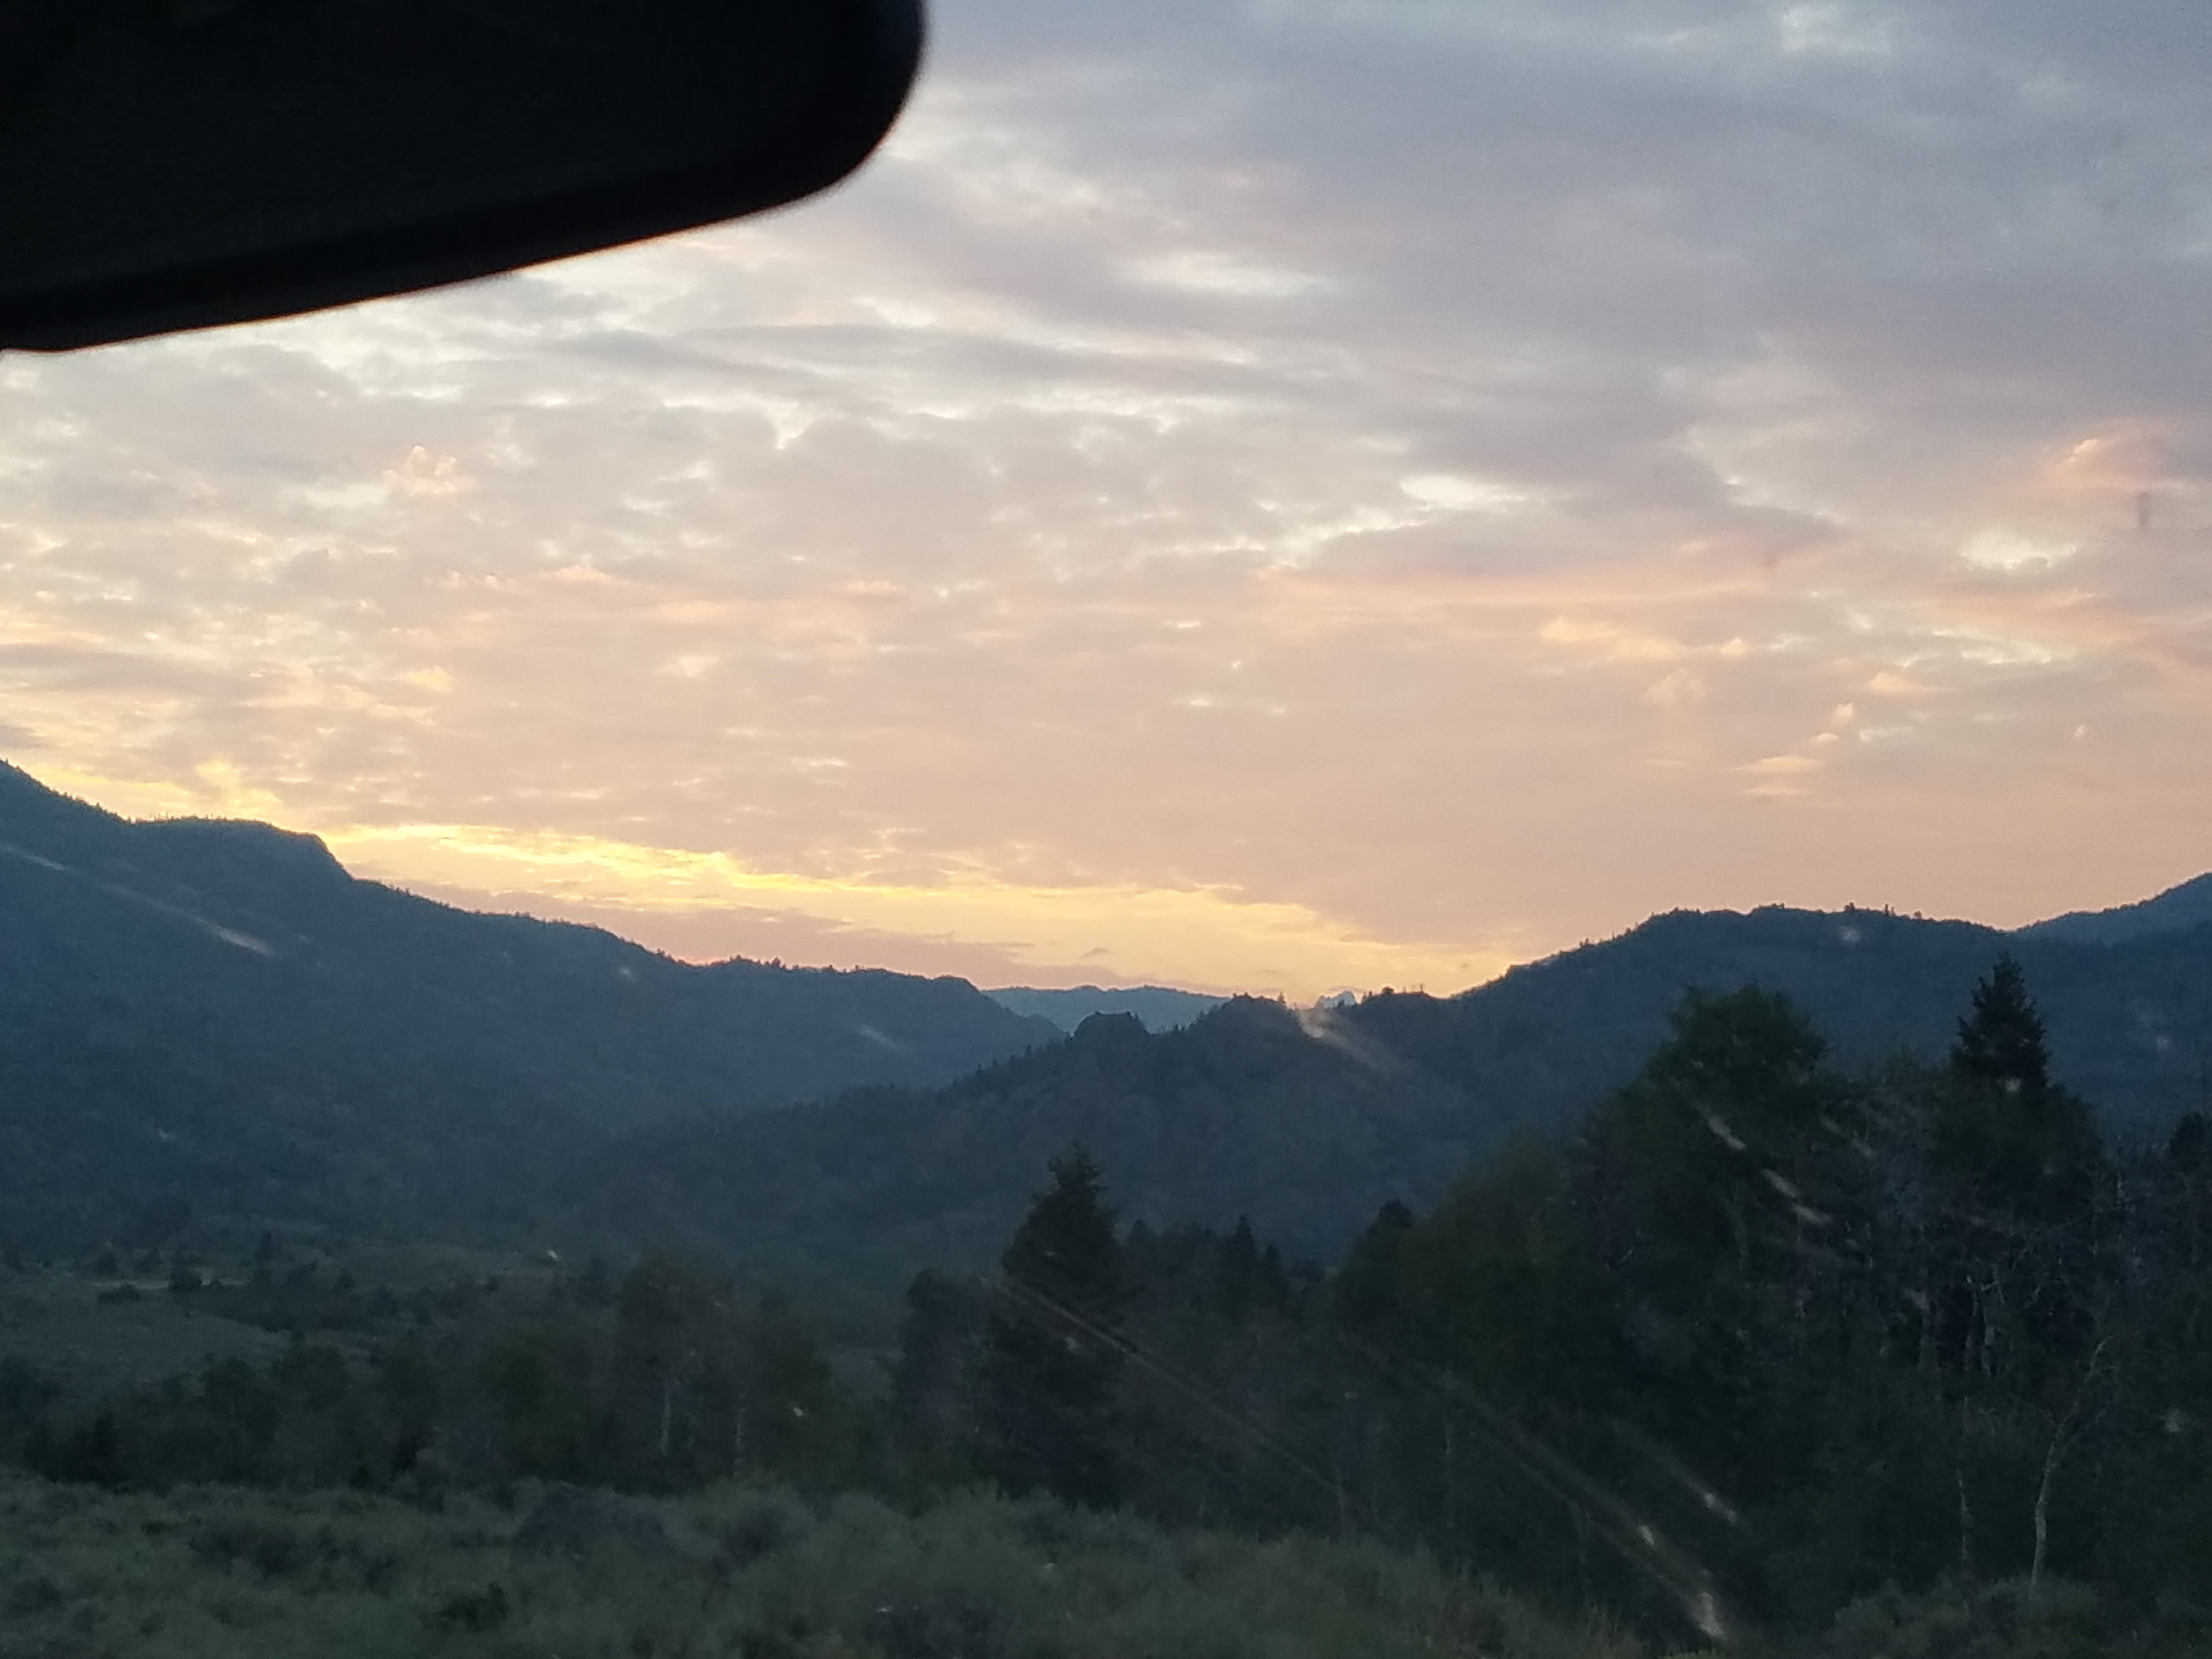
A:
[778,1389]
[937,1338]
[2000,1042]
[1368,1284]
[2007,1141]
[1725,1204]
[2023,1316]
[1723,1174]
[1053,1354]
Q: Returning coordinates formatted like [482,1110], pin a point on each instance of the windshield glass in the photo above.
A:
[803,940]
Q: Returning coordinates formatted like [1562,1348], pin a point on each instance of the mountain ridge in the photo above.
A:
[217,1010]
[1306,1121]
[1160,1007]
[2183,906]
[239,973]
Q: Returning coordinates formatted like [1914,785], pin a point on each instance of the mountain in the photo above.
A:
[1156,1008]
[2175,911]
[1308,1120]
[214,1018]
[220,1006]
[2130,1023]
[1254,1109]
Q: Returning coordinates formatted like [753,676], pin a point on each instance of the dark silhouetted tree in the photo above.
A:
[2000,1040]
[1052,1353]
[2007,1141]
[2022,1299]
[939,1340]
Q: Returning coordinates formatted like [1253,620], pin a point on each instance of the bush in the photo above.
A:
[206,1571]
[2002,1620]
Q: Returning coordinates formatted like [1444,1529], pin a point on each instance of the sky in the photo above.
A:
[1285,496]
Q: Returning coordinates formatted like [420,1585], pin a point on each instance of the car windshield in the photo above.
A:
[1359,828]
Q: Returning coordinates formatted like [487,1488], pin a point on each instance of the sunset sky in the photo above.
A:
[1287,495]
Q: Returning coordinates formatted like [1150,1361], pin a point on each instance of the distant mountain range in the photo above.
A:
[218,1007]
[213,1018]
[1306,1121]
[1156,1007]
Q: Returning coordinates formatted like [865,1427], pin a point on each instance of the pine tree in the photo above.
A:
[1053,1354]
[936,1333]
[2000,1042]
[1724,1200]
[2021,1302]
[2007,1139]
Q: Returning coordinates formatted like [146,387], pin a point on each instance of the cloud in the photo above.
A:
[2007,549]
[1326,462]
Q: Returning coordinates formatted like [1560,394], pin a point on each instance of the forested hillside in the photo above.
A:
[1766,1355]
[217,1014]
[2175,911]
[2128,1021]
[1306,1121]
[215,1019]
[1761,1345]
[1246,1112]
[1157,1007]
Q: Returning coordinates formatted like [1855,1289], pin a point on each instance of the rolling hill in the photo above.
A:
[213,1018]
[2179,907]
[219,1007]
[1308,1120]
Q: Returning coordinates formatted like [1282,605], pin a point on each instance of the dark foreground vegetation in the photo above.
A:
[730,1570]
[1767,1355]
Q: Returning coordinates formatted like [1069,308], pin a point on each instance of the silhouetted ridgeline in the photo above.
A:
[1242,1113]
[215,1018]
[1307,1121]
[2131,1022]
[1158,1007]
[2175,911]
[217,1009]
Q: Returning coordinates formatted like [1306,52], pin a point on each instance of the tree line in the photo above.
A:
[1760,1337]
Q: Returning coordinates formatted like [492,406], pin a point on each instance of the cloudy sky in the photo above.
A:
[1287,496]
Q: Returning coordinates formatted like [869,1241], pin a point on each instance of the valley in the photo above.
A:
[313,1186]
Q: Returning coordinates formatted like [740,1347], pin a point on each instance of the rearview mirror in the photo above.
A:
[173,164]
